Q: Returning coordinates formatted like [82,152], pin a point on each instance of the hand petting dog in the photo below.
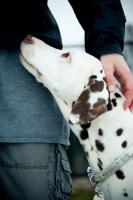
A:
[115,67]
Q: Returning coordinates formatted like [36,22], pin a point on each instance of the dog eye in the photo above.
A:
[65,55]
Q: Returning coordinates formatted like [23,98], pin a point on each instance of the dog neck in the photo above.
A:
[64,106]
[99,123]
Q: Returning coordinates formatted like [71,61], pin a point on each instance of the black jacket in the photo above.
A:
[104,24]
[102,20]
[19,18]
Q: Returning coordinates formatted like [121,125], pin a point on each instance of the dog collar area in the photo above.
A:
[97,177]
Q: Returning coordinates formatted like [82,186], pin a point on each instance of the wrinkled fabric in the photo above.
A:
[34,171]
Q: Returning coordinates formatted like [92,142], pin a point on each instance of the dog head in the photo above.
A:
[73,76]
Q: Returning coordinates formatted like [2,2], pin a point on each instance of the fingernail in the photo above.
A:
[111,88]
[125,108]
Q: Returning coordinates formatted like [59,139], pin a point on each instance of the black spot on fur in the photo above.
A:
[100,162]
[125,194]
[117,95]
[119,132]
[84,134]
[100,132]
[100,167]
[124,144]
[109,106]
[85,126]
[101,71]
[87,154]
[99,145]
[91,148]
[104,78]
[93,77]
[73,103]
[114,102]
[120,174]
[65,102]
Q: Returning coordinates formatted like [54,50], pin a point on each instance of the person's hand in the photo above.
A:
[115,67]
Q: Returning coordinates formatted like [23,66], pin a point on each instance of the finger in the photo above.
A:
[127,103]
[125,78]
[128,93]
[108,65]
[110,79]
[131,106]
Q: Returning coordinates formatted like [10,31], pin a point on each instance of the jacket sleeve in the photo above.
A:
[104,24]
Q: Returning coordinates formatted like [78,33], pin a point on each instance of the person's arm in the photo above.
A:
[104,24]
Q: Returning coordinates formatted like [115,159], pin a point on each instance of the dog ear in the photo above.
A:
[92,101]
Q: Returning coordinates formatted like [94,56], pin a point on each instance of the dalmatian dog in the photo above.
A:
[96,116]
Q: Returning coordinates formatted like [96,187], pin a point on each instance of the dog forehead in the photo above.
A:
[83,57]
[82,62]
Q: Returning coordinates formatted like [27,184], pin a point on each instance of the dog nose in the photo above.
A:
[29,39]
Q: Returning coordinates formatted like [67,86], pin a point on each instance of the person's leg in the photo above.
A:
[34,171]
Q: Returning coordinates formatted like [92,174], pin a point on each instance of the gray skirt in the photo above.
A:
[28,112]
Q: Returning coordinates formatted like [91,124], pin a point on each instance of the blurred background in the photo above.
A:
[73,37]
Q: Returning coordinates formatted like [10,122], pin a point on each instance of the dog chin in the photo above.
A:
[24,61]
[35,72]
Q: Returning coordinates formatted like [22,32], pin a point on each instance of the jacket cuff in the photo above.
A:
[104,45]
